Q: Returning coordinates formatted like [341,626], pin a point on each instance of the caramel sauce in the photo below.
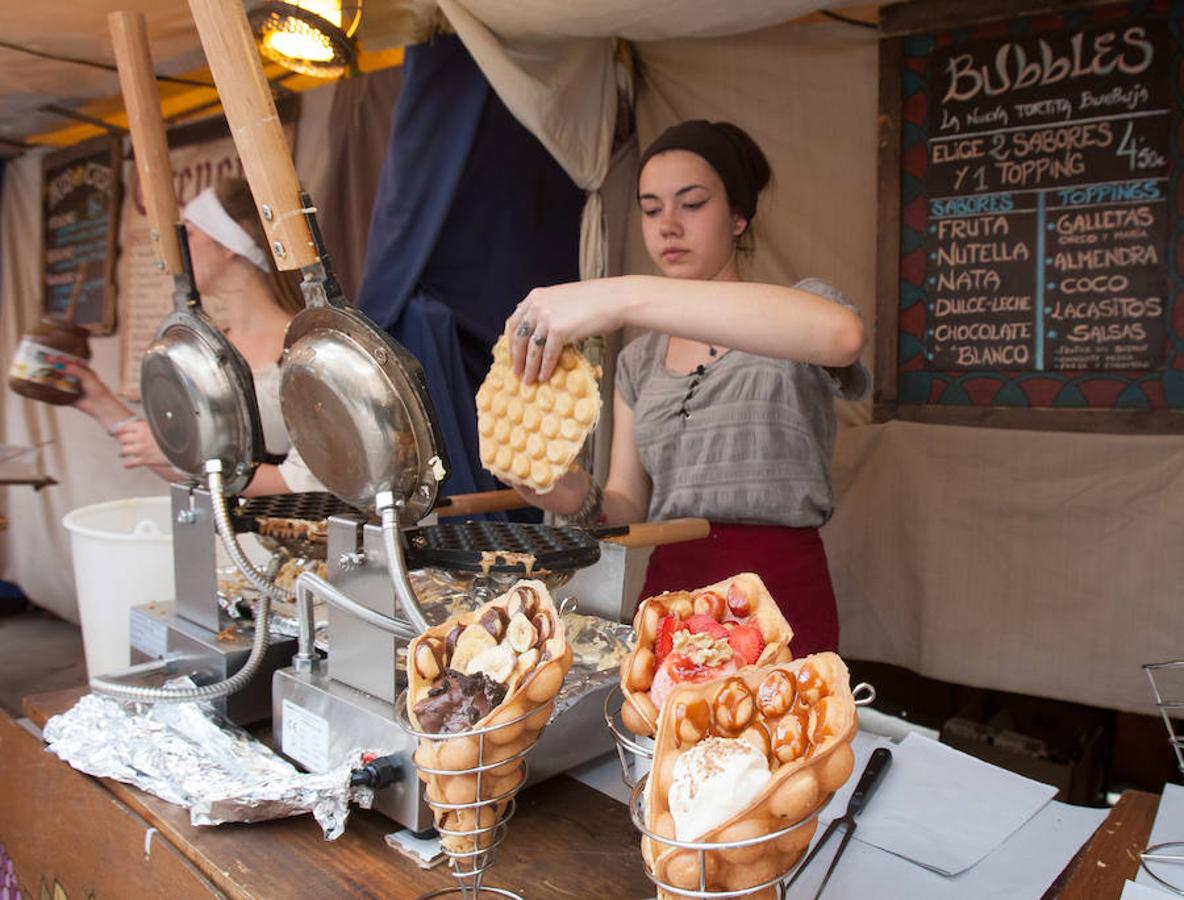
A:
[694,717]
[776,694]
[734,707]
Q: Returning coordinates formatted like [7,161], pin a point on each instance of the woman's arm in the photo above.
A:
[627,491]
[764,319]
[97,400]
[266,482]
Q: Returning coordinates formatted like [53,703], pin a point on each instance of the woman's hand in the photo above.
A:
[564,498]
[552,317]
[137,447]
[98,401]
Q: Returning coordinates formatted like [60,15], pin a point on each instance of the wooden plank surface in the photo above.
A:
[566,840]
[64,829]
[1111,856]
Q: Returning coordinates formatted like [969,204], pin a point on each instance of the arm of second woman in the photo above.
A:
[764,319]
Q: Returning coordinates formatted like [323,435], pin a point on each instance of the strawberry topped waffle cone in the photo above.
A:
[695,637]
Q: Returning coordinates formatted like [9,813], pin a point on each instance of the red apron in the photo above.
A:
[790,561]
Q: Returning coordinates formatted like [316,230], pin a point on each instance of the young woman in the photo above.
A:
[723,407]
[227,245]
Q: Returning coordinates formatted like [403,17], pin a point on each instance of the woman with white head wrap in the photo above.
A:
[231,268]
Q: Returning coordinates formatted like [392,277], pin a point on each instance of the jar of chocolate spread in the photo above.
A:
[39,367]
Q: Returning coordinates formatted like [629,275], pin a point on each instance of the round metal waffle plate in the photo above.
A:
[199,400]
[502,547]
[357,408]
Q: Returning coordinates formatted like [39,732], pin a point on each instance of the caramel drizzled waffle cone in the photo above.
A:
[530,434]
[473,775]
[639,712]
[801,715]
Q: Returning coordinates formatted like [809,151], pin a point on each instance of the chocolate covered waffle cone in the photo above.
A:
[481,687]
[798,720]
[647,674]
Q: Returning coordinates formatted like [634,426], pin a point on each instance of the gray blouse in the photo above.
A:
[751,443]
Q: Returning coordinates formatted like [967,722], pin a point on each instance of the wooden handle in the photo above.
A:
[75,293]
[129,38]
[246,98]
[486,501]
[654,534]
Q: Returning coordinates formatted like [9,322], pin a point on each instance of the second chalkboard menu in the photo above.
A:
[81,208]
[1038,204]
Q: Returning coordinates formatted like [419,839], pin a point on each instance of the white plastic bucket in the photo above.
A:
[123,557]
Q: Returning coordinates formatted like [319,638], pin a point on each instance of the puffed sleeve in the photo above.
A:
[858,380]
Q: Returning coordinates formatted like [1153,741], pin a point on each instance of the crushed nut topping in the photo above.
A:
[702,649]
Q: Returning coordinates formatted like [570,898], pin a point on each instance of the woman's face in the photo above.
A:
[208,256]
[689,227]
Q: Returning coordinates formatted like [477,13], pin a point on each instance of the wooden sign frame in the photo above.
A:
[897,23]
[109,148]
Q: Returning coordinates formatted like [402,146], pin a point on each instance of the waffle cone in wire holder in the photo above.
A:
[472,775]
[801,715]
[741,598]
[1167,684]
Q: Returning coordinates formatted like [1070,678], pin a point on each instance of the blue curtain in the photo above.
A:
[471,213]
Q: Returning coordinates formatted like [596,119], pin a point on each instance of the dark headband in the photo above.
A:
[721,153]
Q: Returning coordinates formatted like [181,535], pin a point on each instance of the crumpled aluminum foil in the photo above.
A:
[186,754]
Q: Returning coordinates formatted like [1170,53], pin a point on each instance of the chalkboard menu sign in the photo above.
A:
[81,208]
[1037,163]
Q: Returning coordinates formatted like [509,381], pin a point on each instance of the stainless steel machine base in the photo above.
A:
[159,633]
[320,723]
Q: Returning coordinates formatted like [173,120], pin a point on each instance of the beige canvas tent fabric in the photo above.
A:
[1035,562]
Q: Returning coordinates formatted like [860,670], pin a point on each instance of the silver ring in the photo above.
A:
[540,341]
[524,329]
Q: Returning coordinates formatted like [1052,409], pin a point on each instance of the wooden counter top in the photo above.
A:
[566,839]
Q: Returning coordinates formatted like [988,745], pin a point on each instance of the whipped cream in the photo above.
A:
[713,781]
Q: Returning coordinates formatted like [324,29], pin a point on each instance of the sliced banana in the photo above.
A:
[426,661]
[527,661]
[520,634]
[472,641]
[497,662]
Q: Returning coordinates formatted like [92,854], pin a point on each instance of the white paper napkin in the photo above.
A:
[1022,868]
[1169,826]
[939,807]
[1133,891]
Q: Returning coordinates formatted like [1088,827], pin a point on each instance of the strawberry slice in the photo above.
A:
[704,624]
[747,643]
[664,642]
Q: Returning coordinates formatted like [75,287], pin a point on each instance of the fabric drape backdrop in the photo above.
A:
[472,212]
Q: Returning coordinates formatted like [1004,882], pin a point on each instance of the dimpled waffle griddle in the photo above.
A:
[500,547]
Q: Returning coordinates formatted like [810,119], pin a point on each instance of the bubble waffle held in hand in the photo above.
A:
[698,636]
[503,661]
[530,433]
[745,757]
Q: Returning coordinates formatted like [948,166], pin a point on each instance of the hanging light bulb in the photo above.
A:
[314,37]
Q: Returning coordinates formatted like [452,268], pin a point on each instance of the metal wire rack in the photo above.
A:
[635,753]
[1170,703]
[472,851]
[702,848]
